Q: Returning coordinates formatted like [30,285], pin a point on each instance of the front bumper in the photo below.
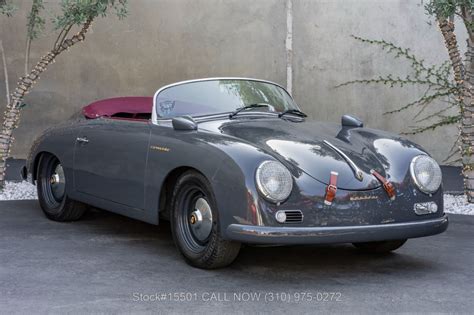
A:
[344,234]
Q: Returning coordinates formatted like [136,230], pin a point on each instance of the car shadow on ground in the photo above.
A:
[278,262]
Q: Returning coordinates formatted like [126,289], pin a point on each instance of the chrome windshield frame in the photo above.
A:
[154,115]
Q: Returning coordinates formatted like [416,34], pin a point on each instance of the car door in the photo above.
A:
[110,159]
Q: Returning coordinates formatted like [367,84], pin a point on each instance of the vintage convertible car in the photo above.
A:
[231,161]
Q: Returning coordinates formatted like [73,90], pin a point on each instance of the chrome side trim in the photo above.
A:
[357,171]
[154,116]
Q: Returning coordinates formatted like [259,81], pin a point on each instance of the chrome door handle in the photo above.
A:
[82,140]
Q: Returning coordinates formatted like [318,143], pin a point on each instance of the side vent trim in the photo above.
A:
[294,216]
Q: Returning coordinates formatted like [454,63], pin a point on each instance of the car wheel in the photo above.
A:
[51,187]
[380,247]
[195,224]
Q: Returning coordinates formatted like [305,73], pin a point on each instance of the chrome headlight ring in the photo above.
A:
[274,181]
[426,174]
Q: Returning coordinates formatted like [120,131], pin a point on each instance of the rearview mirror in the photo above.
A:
[351,121]
[184,123]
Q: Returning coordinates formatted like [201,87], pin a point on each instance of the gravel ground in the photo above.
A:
[458,205]
[18,191]
[24,191]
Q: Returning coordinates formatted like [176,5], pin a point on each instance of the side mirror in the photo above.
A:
[351,121]
[184,123]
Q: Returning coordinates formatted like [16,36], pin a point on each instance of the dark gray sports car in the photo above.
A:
[231,161]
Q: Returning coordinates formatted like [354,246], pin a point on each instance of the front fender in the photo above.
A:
[227,163]
[234,185]
[58,141]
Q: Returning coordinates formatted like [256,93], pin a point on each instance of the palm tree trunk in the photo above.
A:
[451,42]
[464,78]
[467,126]
[24,85]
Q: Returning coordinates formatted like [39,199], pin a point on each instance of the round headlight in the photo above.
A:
[274,181]
[426,173]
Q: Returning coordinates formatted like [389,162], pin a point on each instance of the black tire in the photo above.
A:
[199,250]
[54,201]
[380,247]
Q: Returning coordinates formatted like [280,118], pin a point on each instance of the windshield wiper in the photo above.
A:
[296,112]
[256,105]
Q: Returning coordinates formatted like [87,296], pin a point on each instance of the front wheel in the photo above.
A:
[380,247]
[195,224]
[52,193]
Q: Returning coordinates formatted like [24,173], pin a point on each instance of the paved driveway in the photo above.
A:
[108,263]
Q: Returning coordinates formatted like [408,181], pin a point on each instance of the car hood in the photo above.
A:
[302,145]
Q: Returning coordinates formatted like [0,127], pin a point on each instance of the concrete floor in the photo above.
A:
[104,262]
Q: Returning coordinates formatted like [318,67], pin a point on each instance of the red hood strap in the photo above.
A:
[388,186]
[331,189]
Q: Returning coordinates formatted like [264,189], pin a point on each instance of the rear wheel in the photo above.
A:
[195,224]
[380,247]
[51,186]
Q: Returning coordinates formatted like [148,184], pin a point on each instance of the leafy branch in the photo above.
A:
[439,87]
[436,78]
[445,120]
[34,27]
[6,8]
[436,74]
[77,14]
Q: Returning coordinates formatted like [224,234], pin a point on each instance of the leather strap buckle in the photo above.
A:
[390,189]
[388,186]
[331,189]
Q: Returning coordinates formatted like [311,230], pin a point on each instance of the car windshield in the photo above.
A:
[221,96]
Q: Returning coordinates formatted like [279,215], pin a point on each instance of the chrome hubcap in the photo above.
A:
[58,182]
[200,220]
